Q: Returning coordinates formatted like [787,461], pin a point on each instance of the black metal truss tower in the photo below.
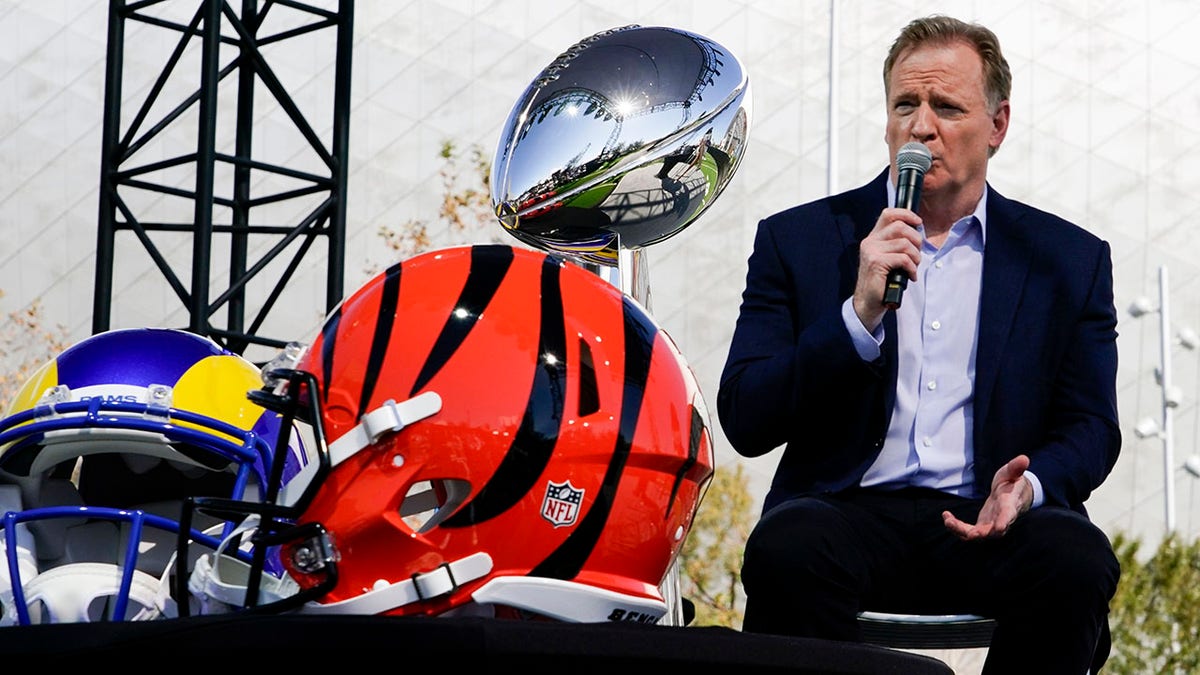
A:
[173,172]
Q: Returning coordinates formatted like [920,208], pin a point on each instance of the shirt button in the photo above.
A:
[938,264]
[932,385]
[936,325]
[927,441]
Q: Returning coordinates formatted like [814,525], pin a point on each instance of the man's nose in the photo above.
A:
[924,122]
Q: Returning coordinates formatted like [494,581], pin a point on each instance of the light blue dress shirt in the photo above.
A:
[929,440]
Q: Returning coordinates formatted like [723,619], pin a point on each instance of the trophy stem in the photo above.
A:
[631,274]
[634,271]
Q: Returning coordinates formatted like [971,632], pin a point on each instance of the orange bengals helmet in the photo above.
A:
[507,435]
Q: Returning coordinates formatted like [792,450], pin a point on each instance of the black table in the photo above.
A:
[400,643]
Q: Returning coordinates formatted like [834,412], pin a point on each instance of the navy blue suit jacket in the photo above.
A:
[1046,359]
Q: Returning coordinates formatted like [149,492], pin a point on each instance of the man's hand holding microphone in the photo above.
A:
[893,249]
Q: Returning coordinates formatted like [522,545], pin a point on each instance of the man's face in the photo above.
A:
[936,96]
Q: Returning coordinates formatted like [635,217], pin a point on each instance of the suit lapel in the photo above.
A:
[1006,260]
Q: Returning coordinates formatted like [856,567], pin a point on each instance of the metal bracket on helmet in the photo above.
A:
[285,360]
[59,393]
[159,398]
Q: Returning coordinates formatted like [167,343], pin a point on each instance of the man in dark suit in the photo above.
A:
[937,456]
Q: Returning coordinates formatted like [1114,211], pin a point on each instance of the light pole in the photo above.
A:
[831,167]
[1171,395]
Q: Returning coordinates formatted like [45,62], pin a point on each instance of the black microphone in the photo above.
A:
[912,161]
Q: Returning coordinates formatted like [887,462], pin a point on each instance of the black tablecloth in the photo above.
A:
[455,643]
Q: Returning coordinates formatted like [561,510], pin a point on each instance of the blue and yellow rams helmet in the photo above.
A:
[100,447]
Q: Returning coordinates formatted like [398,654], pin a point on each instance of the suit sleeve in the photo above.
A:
[792,370]
[1083,436]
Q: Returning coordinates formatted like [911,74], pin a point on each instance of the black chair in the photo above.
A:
[926,631]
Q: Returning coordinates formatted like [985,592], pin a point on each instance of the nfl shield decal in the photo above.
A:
[561,505]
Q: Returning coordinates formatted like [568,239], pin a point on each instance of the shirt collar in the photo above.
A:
[980,211]
[981,215]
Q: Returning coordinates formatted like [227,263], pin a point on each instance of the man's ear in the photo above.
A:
[999,125]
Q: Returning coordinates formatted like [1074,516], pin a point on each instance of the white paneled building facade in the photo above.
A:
[1105,132]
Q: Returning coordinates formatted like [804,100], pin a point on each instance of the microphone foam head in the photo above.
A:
[914,155]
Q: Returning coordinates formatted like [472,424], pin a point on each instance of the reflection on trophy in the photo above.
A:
[621,142]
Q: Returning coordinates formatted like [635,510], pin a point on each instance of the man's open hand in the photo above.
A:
[1011,496]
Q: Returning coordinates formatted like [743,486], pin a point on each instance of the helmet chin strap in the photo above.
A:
[218,582]
[424,586]
[387,418]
